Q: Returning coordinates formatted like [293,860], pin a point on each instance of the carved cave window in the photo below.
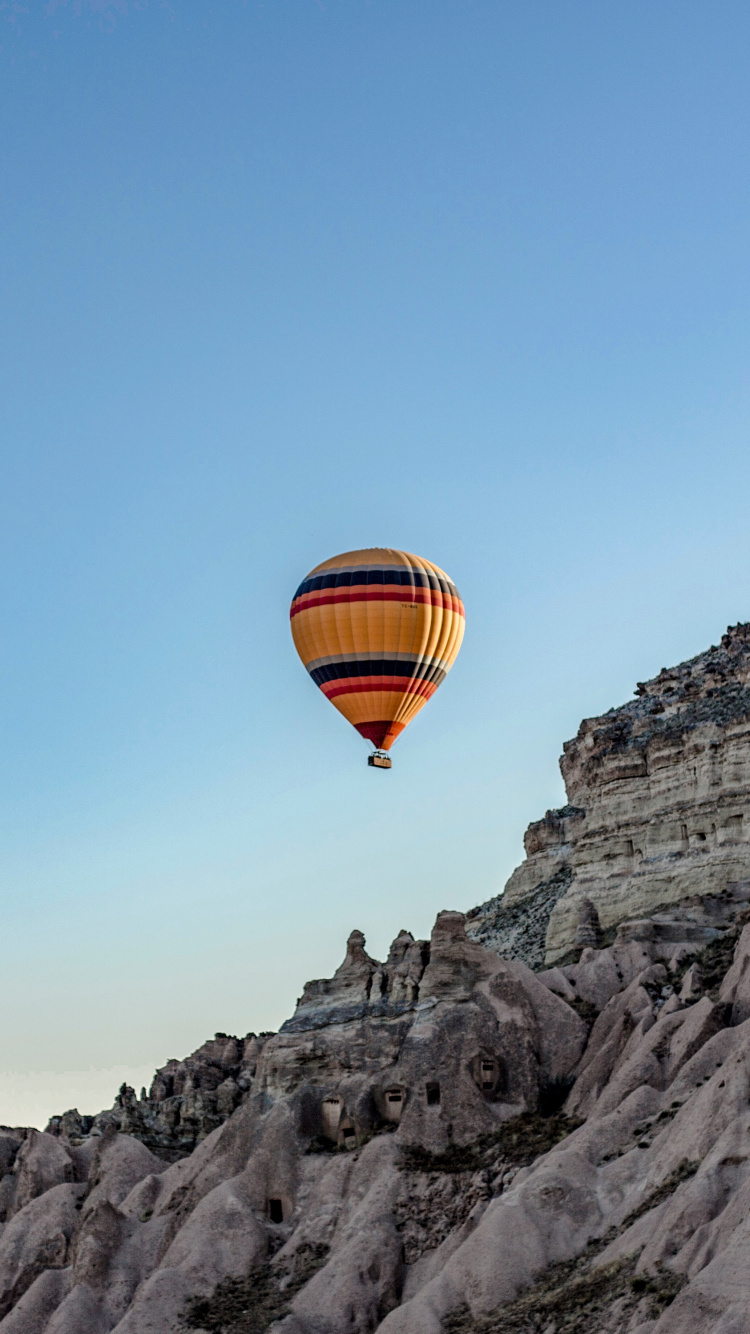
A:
[332,1109]
[276,1211]
[489,1074]
[394,1100]
[433,1094]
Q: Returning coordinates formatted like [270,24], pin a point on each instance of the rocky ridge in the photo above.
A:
[447,1141]
[187,1099]
[452,1140]
[658,809]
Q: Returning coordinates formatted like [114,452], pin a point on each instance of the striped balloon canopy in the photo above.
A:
[378,630]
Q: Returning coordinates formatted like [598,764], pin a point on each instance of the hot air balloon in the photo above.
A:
[378,630]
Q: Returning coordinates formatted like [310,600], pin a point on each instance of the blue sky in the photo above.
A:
[281,280]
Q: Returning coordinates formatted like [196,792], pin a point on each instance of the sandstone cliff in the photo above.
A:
[658,810]
[449,1141]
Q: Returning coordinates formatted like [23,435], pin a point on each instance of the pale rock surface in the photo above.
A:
[38,1237]
[409,1229]
[382,1154]
[449,1137]
[658,810]
[440,1046]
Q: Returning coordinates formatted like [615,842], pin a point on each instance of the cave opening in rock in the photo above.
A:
[332,1109]
[552,1095]
[433,1094]
[394,1099]
[276,1211]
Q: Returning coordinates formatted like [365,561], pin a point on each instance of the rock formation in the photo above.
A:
[187,1099]
[450,1142]
[383,1071]
[659,809]
[446,1141]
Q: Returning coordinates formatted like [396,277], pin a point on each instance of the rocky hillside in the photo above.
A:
[453,1142]
[658,810]
[447,1141]
[187,1099]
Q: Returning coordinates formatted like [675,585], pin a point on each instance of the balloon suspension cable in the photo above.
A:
[380,759]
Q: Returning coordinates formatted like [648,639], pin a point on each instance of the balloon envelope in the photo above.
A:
[378,630]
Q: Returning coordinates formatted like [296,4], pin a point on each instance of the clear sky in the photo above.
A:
[283,279]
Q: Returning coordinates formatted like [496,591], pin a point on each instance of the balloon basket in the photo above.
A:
[380,759]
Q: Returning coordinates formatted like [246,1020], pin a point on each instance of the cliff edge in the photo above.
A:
[452,1141]
[658,800]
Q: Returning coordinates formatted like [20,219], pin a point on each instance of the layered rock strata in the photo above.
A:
[658,810]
